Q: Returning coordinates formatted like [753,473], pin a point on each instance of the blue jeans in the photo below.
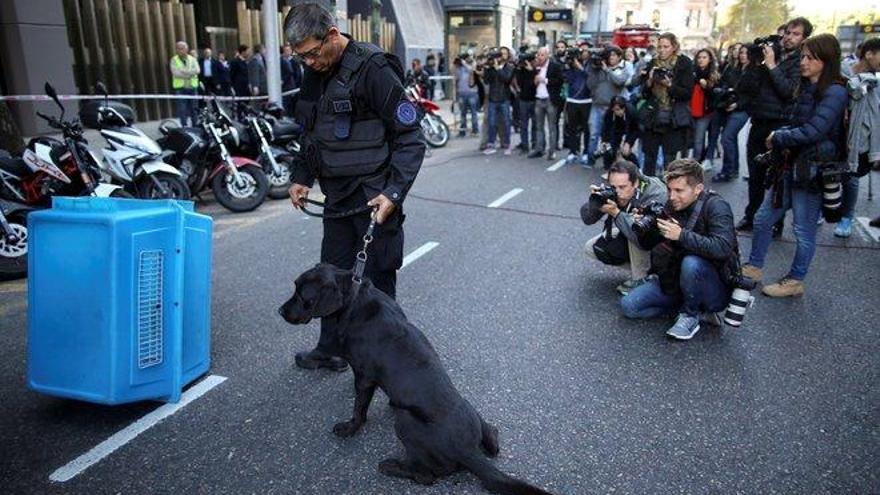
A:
[597,118]
[526,114]
[701,127]
[850,196]
[504,108]
[465,103]
[186,109]
[730,142]
[701,290]
[805,206]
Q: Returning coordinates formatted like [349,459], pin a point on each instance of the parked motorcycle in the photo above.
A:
[434,129]
[49,167]
[254,142]
[201,153]
[134,160]
[286,132]
[13,239]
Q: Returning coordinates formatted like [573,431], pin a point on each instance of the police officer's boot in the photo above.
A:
[315,359]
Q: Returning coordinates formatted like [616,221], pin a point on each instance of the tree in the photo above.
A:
[749,19]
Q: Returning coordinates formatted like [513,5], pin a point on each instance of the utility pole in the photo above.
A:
[273,50]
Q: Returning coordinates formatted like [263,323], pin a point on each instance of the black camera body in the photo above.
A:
[725,97]
[756,52]
[602,194]
[661,73]
[651,212]
[493,54]
[597,56]
[572,54]
[771,159]
[603,150]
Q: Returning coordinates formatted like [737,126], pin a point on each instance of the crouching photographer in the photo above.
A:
[694,257]
[617,245]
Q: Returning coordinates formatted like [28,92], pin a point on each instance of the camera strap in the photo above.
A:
[695,215]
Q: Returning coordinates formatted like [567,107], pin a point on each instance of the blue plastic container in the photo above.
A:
[119,299]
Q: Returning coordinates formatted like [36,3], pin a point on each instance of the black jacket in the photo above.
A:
[525,79]
[614,129]
[712,238]
[291,74]
[555,80]
[499,83]
[238,72]
[748,86]
[379,88]
[777,89]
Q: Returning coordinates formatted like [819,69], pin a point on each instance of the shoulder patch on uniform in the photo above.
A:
[406,113]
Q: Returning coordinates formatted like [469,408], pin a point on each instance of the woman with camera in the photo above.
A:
[815,137]
[706,77]
[665,113]
[744,80]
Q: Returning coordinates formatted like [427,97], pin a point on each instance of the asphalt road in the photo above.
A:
[530,332]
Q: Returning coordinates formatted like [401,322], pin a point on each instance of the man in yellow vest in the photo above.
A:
[184,81]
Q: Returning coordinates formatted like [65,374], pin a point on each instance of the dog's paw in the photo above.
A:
[346,428]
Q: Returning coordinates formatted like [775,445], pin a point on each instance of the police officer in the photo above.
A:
[362,142]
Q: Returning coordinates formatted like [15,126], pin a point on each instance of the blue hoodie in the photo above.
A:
[577,84]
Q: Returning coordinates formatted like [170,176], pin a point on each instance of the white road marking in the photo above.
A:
[874,232]
[503,199]
[107,447]
[556,166]
[418,253]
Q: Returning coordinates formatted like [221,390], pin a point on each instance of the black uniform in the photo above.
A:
[362,139]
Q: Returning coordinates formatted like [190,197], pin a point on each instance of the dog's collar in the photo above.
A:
[355,290]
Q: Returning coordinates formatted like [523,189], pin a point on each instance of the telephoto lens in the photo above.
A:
[832,197]
[740,301]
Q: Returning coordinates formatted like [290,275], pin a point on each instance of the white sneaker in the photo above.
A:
[571,158]
[707,165]
[490,151]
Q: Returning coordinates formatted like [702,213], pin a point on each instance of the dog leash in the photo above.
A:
[347,213]
[360,265]
[361,259]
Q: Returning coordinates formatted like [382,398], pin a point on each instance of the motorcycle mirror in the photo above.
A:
[50,92]
[100,88]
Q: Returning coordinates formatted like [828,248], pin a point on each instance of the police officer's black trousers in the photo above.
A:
[344,237]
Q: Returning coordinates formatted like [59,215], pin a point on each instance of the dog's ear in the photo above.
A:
[330,298]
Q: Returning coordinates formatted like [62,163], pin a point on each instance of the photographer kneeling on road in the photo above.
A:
[617,244]
[695,254]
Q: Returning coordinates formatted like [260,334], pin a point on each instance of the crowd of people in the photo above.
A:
[654,121]
[243,75]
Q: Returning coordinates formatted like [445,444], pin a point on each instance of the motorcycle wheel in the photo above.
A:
[13,255]
[175,186]
[239,198]
[121,193]
[435,138]
[280,183]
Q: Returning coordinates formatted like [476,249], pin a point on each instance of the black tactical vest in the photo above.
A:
[349,139]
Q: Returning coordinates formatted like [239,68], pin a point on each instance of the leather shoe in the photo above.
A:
[744,225]
[315,359]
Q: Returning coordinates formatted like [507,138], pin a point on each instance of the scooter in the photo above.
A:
[201,153]
[434,129]
[134,160]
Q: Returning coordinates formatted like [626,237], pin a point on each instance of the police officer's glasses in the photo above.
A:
[311,54]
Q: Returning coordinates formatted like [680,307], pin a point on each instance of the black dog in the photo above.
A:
[440,430]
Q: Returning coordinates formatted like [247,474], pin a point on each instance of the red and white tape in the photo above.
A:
[140,97]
